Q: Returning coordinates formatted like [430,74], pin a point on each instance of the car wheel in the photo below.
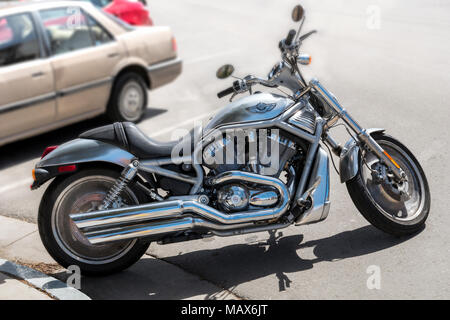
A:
[129,98]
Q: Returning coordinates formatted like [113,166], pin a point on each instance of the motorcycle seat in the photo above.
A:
[127,136]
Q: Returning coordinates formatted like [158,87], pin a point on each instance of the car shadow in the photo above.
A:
[233,265]
[31,148]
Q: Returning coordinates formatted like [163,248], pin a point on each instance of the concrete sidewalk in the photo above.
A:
[149,278]
[12,289]
[24,283]
[25,274]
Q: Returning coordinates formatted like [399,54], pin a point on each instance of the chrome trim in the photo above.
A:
[349,158]
[161,217]
[170,227]
[264,199]
[320,196]
[304,119]
[113,217]
[279,122]
[333,103]
[362,134]
[310,156]
[348,163]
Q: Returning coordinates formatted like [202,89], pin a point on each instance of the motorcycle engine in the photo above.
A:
[268,158]
[238,197]
[233,197]
[260,151]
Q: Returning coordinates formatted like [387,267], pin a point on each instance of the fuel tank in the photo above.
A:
[256,107]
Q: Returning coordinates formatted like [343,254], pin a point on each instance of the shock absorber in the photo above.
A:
[125,177]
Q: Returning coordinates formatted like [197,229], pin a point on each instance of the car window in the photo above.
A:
[67,29]
[99,34]
[18,39]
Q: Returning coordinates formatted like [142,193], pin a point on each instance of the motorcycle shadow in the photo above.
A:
[230,266]
[280,255]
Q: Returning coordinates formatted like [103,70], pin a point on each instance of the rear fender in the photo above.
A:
[78,152]
[349,158]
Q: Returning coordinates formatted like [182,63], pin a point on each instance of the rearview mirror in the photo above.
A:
[225,71]
[297,13]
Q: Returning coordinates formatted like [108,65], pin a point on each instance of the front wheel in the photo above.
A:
[83,192]
[398,209]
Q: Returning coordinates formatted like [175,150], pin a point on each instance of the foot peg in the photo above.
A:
[304,200]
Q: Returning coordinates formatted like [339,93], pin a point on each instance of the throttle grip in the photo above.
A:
[225,92]
[290,37]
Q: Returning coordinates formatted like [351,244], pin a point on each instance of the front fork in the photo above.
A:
[362,134]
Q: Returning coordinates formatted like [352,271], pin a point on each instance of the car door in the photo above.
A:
[83,56]
[27,95]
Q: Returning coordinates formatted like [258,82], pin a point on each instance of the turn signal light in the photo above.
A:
[304,59]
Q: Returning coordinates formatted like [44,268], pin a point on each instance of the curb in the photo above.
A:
[50,285]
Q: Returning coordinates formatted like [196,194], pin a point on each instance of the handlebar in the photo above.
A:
[243,85]
[225,92]
[290,54]
[290,37]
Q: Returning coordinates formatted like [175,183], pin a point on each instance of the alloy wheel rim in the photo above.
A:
[385,195]
[69,237]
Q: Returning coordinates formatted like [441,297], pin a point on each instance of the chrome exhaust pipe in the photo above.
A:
[162,228]
[166,216]
[165,227]
[175,208]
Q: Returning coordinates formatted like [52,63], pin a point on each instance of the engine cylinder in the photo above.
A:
[264,151]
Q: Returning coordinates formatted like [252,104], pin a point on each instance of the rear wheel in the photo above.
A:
[84,192]
[398,209]
[128,99]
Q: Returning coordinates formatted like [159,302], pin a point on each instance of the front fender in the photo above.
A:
[79,151]
[349,157]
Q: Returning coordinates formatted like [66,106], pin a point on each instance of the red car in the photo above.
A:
[133,12]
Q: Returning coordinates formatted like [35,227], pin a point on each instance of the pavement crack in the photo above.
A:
[198,275]
[23,237]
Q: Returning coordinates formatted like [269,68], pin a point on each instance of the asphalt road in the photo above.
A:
[391,73]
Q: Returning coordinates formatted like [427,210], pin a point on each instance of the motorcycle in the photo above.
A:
[115,190]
